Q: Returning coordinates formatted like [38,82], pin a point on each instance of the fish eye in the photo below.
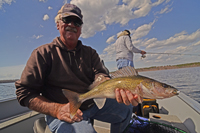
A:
[165,86]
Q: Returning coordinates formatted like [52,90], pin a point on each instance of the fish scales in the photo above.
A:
[109,87]
[102,89]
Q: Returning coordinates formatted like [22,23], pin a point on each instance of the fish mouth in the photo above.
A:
[175,92]
[71,29]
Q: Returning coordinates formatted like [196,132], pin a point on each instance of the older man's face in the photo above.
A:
[70,30]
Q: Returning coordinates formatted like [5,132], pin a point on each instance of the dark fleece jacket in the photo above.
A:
[52,67]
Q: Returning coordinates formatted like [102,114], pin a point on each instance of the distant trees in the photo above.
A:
[8,81]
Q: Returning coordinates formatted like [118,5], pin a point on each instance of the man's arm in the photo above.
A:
[30,86]
[57,110]
[130,46]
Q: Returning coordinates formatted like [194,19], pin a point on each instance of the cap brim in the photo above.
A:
[67,14]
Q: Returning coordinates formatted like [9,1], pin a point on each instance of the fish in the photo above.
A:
[126,78]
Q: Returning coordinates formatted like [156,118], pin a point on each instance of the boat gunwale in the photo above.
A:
[190,102]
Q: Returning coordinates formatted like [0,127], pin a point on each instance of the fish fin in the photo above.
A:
[99,80]
[139,100]
[147,93]
[125,72]
[138,90]
[100,102]
[73,99]
[140,94]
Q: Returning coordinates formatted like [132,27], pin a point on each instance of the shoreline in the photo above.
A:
[160,68]
[8,81]
[154,68]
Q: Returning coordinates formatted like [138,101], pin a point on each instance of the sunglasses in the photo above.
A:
[77,22]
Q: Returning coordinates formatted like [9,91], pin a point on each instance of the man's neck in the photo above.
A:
[69,44]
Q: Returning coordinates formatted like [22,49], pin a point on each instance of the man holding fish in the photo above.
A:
[58,72]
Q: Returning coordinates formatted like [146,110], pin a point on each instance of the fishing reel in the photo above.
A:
[143,56]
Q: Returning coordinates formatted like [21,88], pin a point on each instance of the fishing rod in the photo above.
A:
[143,56]
[174,54]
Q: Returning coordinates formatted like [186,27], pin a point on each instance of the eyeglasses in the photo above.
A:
[77,22]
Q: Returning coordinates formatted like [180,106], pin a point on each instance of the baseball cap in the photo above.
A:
[70,10]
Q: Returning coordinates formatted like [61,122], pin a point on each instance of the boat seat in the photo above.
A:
[40,126]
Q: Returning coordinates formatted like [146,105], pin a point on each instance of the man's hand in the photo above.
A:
[64,114]
[61,111]
[143,52]
[126,97]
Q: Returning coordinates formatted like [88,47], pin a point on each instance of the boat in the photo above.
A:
[179,111]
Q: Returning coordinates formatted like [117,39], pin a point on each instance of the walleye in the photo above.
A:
[125,78]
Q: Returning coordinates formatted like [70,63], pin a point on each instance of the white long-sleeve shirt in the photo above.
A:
[124,48]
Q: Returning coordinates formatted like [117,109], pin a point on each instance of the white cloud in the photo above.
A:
[46,17]
[181,33]
[197,43]
[110,39]
[37,37]
[43,0]
[167,9]
[109,53]
[50,8]
[178,39]
[169,56]
[94,15]
[119,14]
[158,2]
[98,14]
[141,31]
[65,1]
[5,2]
[167,1]
[143,10]
[137,42]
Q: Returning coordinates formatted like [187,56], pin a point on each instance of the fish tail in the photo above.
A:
[74,101]
[74,106]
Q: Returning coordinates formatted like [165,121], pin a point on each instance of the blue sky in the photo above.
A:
[158,26]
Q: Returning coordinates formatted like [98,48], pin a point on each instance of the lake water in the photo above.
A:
[7,90]
[187,80]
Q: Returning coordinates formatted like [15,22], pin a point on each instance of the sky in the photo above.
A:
[156,26]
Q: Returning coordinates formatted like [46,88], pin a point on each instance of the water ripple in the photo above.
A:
[186,80]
